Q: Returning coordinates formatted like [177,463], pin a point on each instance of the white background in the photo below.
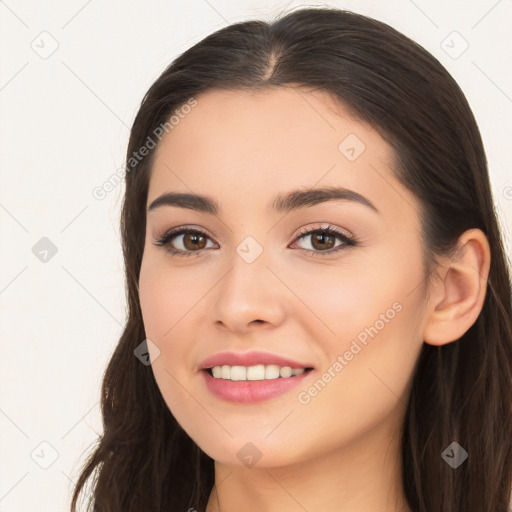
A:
[64,129]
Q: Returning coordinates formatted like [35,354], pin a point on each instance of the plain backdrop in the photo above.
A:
[72,75]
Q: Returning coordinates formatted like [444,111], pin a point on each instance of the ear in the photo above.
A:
[457,297]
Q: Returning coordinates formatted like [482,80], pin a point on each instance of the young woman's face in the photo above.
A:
[253,280]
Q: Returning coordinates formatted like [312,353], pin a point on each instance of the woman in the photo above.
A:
[316,274]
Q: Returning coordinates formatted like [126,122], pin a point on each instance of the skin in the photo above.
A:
[342,447]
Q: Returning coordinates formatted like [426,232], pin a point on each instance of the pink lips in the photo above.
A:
[250,391]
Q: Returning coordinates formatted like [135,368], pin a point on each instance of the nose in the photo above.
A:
[249,296]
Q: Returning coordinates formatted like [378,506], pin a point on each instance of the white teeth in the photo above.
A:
[285,372]
[238,373]
[272,371]
[257,372]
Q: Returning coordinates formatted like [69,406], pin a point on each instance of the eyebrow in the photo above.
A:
[282,203]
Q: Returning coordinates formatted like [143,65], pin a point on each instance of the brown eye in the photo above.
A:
[183,241]
[193,241]
[323,240]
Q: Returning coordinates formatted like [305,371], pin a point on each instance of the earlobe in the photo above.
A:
[458,295]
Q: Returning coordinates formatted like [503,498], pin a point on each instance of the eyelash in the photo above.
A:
[330,230]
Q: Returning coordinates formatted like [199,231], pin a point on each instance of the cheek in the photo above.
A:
[339,301]
[166,296]
[368,323]
[169,301]
[365,382]
[162,305]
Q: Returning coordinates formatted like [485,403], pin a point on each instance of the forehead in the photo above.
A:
[243,146]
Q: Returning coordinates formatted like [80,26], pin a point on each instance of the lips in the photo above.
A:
[247,391]
[250,359]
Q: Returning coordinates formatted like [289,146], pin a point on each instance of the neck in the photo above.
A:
[364,475]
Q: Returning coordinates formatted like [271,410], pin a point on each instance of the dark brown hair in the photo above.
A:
[462,391]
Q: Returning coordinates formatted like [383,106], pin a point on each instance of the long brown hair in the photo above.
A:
[462,391]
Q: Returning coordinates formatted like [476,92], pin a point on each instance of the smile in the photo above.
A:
[257,372]
[240,384]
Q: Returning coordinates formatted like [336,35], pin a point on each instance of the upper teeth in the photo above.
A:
[258,372]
